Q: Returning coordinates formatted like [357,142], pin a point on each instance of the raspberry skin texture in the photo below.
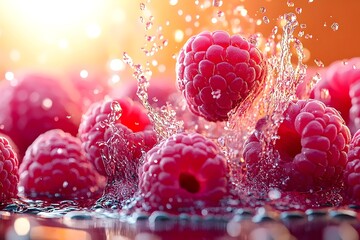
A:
[55,166]
[182,169]
[133,124]
[216,72]
[352,170]
[34,104]
[309,154]
[339,87]
[9,171]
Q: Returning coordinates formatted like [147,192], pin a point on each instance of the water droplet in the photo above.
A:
[142,6]
[324,94]
[217,3]
[335,26]
[290,3]
[298,10]
[274,194]
[216,94]
[148,25]
[310,1]
[262,9]
[303,26]
[173,2]
[220,14]
[266,20]
[319,63]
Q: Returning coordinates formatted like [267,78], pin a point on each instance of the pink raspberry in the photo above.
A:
[134,130]
[181,170]
[216,72]
[55,166]
[89,88]
[9,173]
[339,87]
[352,170]
[310,153]
[33,104]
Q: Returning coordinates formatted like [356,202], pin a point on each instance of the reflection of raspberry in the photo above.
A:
[352,171]
[9,174]
[339,87]
[55,166]
[34,104]
[133,124]
[216,72]
[310,152]
[182,169]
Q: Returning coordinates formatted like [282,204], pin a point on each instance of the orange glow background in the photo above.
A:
[46,36]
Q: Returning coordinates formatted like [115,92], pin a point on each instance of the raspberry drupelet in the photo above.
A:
[216,72]
[309,154]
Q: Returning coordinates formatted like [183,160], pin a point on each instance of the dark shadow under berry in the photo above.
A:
[189,182]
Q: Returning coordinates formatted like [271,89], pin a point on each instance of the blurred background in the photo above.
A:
[90,36]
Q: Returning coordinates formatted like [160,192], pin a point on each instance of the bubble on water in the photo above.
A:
[335,26]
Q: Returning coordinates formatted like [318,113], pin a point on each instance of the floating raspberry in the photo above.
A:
[134,128]
[34,104]
[182,169]
[216,72]
[9,174]
[352,170]
[339,87]
[310,153]
[55,166]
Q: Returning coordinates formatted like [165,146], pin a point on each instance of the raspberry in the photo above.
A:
[182,169]
[134,128]
[55,166]
[9,174]
[352,170]
[34,104]
[339,87]
[216,72]
[159,91]
[89,85]
[310,153]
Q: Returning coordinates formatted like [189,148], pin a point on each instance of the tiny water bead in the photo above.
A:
[335,26]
